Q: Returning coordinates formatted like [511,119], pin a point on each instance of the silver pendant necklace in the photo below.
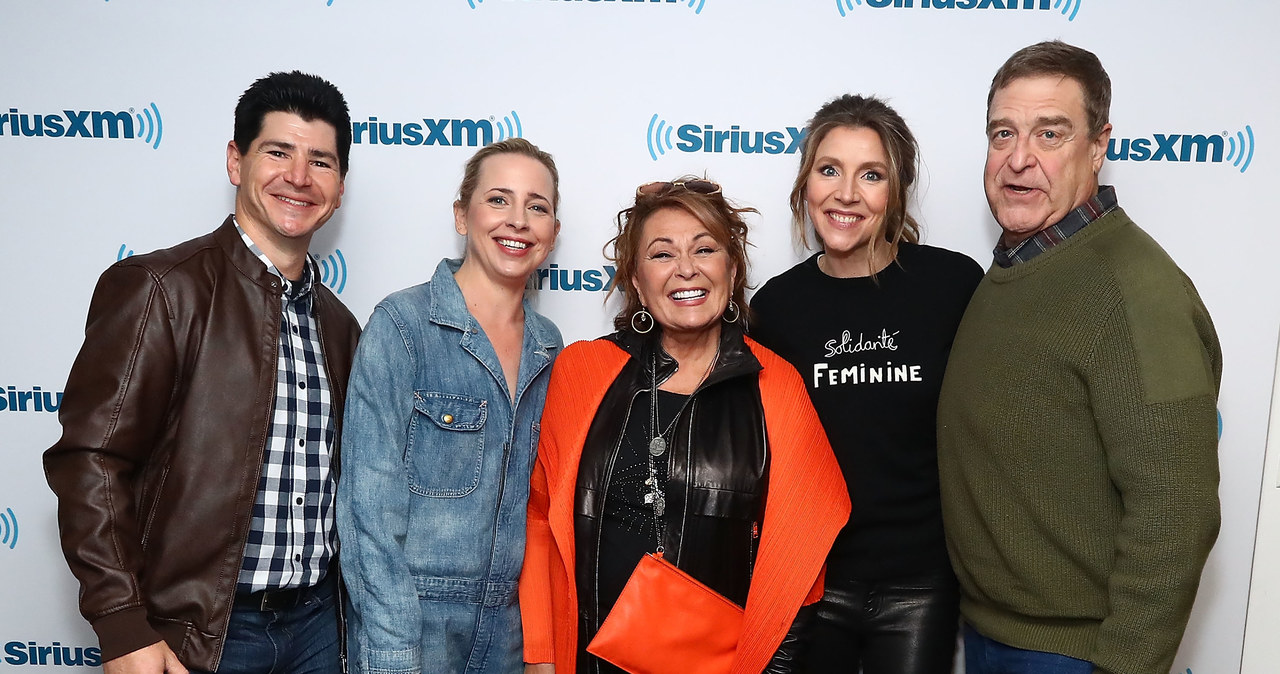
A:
[657,438]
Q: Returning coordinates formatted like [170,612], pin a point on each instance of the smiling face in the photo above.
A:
[510,223]
[683,275]
[288,181]
[1041,163]
[847,193]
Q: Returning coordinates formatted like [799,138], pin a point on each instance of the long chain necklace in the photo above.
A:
[657,438]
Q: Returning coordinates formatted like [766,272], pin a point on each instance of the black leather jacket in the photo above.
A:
[717,478]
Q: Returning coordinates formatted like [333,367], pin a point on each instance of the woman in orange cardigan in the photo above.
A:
[678,434]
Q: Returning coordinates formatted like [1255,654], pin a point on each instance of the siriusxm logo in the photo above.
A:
[695,5]
[446,132]
[32,400]
[1236,149]
[590,280]
[1068,8]
[86,124]
[333,269]
[33,653]
[707,138]
[8,529]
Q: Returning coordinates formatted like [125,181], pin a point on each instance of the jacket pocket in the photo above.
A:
[446,444]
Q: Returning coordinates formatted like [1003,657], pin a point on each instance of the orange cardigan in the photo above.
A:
[806,505]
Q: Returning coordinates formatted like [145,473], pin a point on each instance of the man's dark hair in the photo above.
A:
[307,96]
[1059,58]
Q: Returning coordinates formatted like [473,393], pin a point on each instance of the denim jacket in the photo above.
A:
[435,482]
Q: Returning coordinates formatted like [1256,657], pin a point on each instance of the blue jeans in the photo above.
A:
[988,656]
[299,640]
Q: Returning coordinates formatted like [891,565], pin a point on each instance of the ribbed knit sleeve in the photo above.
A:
[1156,412]
[548,598]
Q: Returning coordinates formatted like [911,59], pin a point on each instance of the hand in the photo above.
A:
[157,658]
[542,668]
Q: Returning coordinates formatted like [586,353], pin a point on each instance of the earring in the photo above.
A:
[732,308]
[644,317]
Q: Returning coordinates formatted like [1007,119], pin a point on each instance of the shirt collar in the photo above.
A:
[292,289]
[1099,205]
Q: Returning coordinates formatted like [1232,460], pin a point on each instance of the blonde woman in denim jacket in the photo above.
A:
[441,429]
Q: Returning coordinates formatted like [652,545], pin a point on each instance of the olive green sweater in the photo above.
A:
[1077,447]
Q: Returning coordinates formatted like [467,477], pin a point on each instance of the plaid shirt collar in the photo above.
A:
[293,290]
[1102,203]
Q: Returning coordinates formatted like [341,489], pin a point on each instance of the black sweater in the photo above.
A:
[872,353]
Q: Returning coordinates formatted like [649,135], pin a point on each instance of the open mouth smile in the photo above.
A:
[293,202]
[693,294]
[513,244]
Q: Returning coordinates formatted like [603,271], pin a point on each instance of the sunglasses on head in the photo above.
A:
[661,187]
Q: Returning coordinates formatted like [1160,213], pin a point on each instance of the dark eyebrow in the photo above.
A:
[994,124]
[1060,120]
[290,147]
[322,154]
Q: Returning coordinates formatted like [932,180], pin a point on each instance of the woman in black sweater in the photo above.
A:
[868,321]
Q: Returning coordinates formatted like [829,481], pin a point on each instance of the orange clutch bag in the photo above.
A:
[667,622]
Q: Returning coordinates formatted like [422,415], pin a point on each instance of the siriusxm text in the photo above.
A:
[707,138]
[637,2]
[1168,147]
[444,132]
[68,124]
[554,277]
[964,4]
[32,653]
[34,400]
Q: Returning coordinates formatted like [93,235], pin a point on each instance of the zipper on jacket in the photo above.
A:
[751,550]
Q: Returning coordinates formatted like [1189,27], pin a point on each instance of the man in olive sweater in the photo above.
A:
[1077,428]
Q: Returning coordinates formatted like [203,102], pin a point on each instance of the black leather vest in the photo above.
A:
[717,470]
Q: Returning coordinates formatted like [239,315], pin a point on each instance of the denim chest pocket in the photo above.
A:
[446,444]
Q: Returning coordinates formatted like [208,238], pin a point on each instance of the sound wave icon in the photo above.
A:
[8,528]
[473,3]
[509,127]
[659,137]
[845,6]
[1069,8]
[333,271]
[1240,148]
[699,3]
[151,124]
[124,252]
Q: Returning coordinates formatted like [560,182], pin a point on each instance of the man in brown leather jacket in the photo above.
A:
[196,470]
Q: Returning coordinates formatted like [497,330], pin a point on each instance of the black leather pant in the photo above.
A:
[906,627]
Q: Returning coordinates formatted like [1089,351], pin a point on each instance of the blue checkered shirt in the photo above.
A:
[292,535]
[1102,203]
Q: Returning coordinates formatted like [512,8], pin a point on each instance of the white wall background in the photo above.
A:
[585,79]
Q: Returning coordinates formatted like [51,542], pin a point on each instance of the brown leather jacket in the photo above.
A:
[165,418]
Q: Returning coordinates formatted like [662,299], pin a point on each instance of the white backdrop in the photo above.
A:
[610,87]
